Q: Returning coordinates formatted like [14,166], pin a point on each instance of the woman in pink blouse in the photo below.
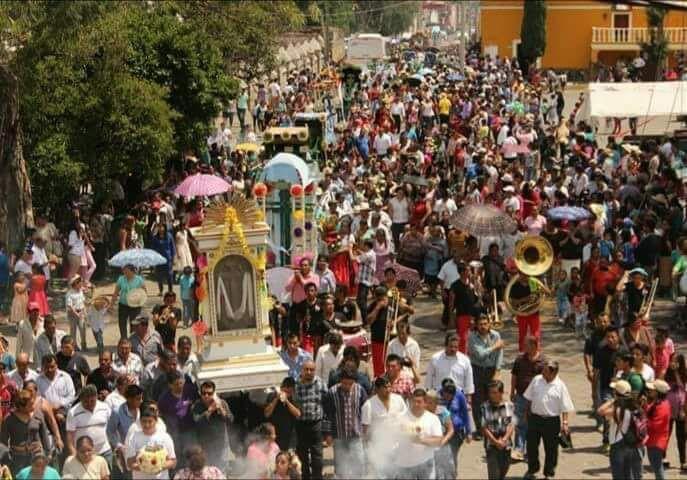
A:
[263,451]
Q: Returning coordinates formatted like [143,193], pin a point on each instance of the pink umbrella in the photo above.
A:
[202,185]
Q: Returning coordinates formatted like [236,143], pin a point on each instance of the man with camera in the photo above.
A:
[282,412]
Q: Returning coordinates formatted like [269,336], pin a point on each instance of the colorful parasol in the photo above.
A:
[483,220]
[202,185]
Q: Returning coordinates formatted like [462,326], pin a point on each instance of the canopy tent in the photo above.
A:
[286,167]
[636,99]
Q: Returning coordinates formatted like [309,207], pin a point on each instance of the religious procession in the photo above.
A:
[415,259]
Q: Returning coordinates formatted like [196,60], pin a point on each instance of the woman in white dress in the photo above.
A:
[183,257]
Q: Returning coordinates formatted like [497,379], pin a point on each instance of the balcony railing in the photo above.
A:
[635,36]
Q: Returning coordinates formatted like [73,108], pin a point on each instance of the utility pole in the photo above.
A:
[462,19]
[325,30]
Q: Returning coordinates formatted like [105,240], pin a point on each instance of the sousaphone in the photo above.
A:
[533,257]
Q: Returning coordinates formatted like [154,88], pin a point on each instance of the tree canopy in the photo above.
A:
[377,16]
[114,90]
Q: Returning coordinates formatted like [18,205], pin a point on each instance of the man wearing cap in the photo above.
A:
[625,460]
[144,342]
[28,331]
[658,414]
[623,366]
[636,290]
[166,318]
[549,407]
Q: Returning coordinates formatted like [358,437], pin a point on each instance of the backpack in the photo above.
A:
[638,432]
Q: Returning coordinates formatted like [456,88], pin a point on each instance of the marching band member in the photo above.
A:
[467,304]
[522,289]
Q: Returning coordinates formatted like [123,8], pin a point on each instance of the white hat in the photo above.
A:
[622,387]
[507,177]
[661,386]
[509,189]
[137,298]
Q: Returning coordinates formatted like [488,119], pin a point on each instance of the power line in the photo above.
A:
[388,6]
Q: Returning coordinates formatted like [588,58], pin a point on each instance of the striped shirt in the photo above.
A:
[344,411]
[368,266]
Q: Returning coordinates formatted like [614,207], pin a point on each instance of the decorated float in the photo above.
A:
[234,301]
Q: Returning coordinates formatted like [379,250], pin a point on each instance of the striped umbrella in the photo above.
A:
[483,220]
[202,185]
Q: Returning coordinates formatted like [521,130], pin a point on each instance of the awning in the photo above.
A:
[636,99]
[286,167]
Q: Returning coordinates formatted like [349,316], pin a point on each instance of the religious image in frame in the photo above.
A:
[235,296]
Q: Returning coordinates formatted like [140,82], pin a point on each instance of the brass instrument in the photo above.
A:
[394,296]
[533,256]
[648,301]
[165,315]
[496,322]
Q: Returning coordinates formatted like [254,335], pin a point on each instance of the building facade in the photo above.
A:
[578,33]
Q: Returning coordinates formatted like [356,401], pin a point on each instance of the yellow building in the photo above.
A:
[578,33]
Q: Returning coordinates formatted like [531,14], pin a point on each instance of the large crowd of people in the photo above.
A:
[410,150]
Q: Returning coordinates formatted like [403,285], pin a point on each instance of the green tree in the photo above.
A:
[532,33]
[656,49]
[100,91]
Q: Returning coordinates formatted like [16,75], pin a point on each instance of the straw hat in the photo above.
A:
[102,302]
[137,298]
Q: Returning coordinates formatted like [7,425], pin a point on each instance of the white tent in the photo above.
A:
[639,99]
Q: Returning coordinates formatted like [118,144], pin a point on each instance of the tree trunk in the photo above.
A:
[16,211]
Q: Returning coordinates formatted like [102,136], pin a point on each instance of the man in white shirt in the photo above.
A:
[380,418]
[55,385]
[22,373]
[420,437]
[404,346]
[450,363]
[550,404]
[329,356]
[382,143]
[89,417]
[399,210]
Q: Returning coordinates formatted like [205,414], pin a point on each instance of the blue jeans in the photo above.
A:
[349,458]
[605,394]
[98,335]
[655,455]
[626,462]
[188,310]
[521,427]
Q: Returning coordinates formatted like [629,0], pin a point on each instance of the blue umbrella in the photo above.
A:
[573,214]
[138,257]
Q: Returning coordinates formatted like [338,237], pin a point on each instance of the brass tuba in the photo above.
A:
[533,256]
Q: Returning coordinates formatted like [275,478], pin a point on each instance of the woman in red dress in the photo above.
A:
[421,209]
[37,293]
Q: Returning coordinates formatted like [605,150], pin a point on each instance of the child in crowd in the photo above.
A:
[562,293]
[186,284]
[580,309]
[663,350]
[96,317]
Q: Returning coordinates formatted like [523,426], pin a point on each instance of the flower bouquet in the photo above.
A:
[152,459]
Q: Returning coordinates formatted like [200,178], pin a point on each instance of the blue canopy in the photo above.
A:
[286,167]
